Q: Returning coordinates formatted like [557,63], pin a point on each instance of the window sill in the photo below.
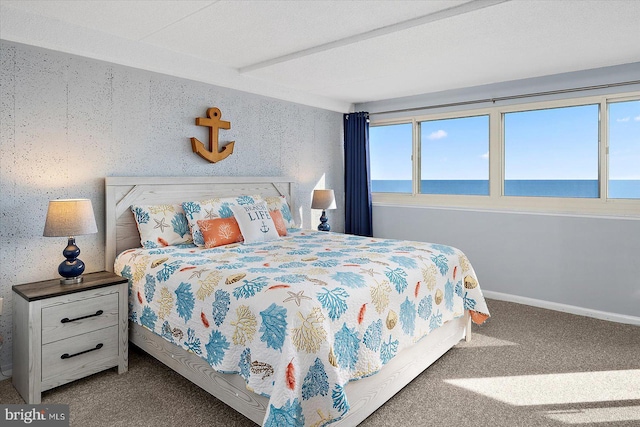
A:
[601,208]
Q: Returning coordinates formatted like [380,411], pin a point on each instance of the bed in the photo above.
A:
[342,354]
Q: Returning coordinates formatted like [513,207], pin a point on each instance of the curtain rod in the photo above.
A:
[354,112]
[508,98]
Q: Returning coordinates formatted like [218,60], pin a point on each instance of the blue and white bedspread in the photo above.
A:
[299,317]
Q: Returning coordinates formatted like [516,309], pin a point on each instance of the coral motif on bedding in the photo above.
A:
[280,204]
[161,225]
[301,316]
[212,208]
[278,221]
[219,231]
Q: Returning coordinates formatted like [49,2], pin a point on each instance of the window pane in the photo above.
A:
[624,150]
[455,156]
[552,152]
[390,155]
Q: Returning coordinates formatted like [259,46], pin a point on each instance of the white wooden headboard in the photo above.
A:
[122,192]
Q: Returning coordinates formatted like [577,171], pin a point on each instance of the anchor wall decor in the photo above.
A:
[214,123]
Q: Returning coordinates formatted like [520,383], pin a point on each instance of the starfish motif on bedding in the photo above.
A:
[198,273]
[370,271]
[160,224]
[297,297]
[134,256]
[210,214]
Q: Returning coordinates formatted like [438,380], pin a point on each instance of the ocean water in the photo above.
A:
[618,189]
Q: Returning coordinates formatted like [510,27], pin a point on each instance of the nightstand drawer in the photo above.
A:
[79,317]
[73,358]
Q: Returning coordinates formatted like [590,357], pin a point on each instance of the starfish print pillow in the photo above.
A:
[161,225]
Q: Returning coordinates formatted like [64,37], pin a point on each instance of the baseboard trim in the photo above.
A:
[581,311]
[6,371]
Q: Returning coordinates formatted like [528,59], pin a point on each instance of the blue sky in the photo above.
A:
[566,147]
[624,140]
[390,151]
[455,148]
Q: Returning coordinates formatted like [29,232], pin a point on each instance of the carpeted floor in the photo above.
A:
[525,367]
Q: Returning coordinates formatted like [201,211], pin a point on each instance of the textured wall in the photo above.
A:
[67,122]
[586,262]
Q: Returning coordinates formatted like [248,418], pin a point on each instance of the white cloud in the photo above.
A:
[637,118]
[437,134]
[624,119]
[485,156]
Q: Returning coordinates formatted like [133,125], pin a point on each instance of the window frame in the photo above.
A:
[496,200]
[413,146]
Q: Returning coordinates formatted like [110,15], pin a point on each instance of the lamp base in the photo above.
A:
[72,268]
[71,280]
[324,225]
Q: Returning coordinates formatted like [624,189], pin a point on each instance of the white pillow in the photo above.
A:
[255,222]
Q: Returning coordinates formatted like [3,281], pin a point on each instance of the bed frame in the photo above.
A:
[365,395]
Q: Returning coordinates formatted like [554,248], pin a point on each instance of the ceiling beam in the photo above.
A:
[378,32]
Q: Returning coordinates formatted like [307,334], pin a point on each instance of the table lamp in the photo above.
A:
[323,199]
[70,217]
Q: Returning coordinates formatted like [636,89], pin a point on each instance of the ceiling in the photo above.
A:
[333,54]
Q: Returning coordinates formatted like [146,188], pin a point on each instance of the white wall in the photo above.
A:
[66,122]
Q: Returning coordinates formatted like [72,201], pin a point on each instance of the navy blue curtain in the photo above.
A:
[357,182]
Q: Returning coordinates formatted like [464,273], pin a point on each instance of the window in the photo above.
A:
[455,156]
[390,150]
[573,156]
[624,150]
[552,152]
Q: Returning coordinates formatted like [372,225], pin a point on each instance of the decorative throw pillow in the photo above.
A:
[255,222]
[279,203]
[276,216]
[161,225]
[219,231]
[212,208]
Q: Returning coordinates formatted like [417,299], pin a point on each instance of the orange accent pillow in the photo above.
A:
[220,231]
[278,220]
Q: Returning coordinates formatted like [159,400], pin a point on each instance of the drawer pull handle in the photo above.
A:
[67,320]
[69,356]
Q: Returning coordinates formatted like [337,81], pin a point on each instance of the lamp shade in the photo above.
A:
[323,199]
[70,217]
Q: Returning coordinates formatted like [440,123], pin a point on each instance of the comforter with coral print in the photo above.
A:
[299,317]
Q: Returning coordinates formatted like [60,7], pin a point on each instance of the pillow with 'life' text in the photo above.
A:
[255,222]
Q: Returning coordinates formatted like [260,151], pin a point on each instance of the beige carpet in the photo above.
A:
[525,367]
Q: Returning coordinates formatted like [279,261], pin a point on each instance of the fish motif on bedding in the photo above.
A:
[300,317]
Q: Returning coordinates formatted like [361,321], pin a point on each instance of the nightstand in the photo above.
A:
[65,332]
